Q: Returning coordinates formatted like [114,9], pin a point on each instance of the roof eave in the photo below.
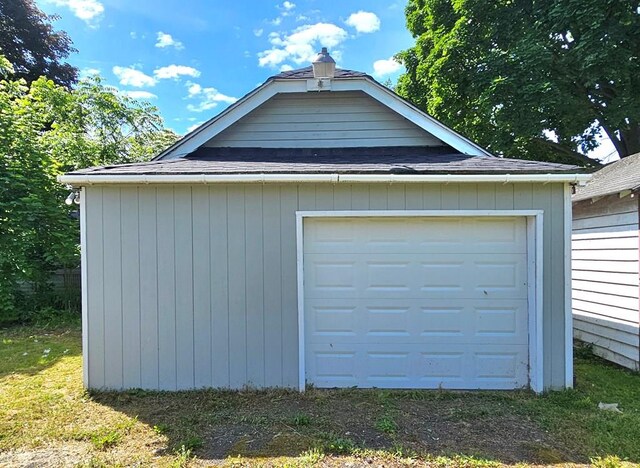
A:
[140,179]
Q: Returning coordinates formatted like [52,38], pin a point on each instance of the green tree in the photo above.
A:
[45,130]
[95,125]
[528,78]
[29,42]
[36,232]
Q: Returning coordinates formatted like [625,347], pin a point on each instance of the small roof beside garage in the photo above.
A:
[613,178]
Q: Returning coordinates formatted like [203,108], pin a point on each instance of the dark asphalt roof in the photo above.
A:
[307,73]
[612,178]
[382,160]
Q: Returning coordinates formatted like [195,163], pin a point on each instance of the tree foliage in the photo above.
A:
[45,130]
[29,42]
[528,78]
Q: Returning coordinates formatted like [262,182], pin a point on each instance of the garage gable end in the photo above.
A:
[352,111]
[323,120]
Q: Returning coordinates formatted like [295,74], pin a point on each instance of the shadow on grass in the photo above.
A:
[475,428]
[29,350]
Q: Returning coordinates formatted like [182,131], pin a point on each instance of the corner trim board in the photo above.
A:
[568,306]
[84,284]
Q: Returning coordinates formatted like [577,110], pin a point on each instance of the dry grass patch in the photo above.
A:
[47,418]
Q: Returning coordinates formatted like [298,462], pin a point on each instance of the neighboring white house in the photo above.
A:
[324,231]
[606,255]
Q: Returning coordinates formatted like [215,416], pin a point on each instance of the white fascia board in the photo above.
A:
[140,179]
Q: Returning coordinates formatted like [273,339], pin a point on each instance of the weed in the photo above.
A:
[386,424]
[161,428]
[252,420]
[606,462]
[583,350]
[192,443]
[401,451]
[312,456]
[300,419]
[182,457]
[338,445]
[105,441]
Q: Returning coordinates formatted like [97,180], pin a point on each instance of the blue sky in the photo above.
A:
[192,58]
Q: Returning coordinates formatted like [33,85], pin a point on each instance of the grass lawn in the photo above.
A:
[47,419]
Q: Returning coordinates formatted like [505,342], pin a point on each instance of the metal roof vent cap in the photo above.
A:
[323,65]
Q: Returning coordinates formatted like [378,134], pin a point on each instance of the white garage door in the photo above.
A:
[416,302]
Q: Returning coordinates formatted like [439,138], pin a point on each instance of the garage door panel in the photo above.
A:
[410,366]
[415,235]
[416,302]
[333,321]
[416,275]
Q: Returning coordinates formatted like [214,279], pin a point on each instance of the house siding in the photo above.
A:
[322,120]
[195,286]
[605,285]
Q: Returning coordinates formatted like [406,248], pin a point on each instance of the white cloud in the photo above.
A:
[86,10]
[194,126]
[129,76]
[208,98]
[258,32]
[277,21]
[175,71]
[386,67]
[166,40]
[288,5]
[88,72]
[364,21]
[286,67]
[193,89]
[133,35]
[139,94]
[302,44]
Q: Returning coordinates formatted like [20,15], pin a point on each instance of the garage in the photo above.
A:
[416,302]
[322,231]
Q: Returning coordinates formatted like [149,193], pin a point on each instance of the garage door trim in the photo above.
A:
[534,220]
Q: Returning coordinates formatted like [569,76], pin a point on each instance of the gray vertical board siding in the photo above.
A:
[94,253]
[290,196]
[396,197]
[184,251]
[219,286]
[167,285]
[238,291]
[542,199]
[253,260]
[605,283]
[216,286]
[556,220]
[337,119]
[148,288]
[272,276]
[113,372]
[202,309]
[131,337]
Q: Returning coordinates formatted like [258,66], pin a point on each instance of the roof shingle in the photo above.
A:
[307,73]
[612,178]
[377,160]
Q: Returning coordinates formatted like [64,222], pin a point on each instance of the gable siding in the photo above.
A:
[328,119]
[216,289]
[606,302]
